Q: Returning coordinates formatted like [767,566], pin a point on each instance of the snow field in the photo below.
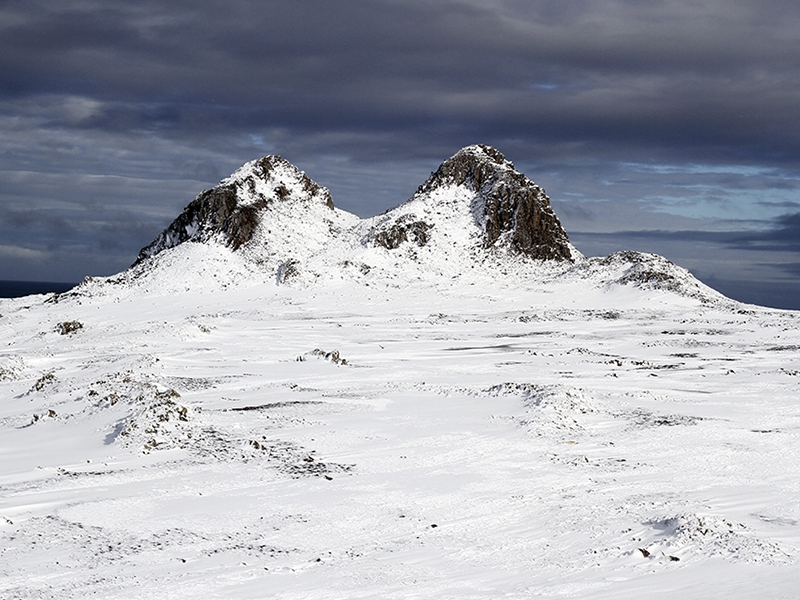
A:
[519,441]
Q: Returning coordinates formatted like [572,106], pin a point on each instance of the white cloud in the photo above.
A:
[22,253]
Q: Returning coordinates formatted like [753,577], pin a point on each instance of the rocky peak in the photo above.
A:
[275,178]
[509,208]
[231,212]
[471,166]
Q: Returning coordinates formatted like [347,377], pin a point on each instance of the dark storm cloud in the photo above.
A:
[710,80]
[783,236]
[792,269]
[110,230]
[33,220]
[676,118]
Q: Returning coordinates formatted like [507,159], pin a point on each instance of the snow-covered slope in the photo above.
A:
[281,400]
[476,219]
[370,441]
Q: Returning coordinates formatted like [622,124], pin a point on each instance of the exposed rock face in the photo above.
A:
[475,207]
[508,206]
[476,215]
[403,230]
[212,213]
[232,211]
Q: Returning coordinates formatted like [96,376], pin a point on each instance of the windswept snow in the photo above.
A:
[524,440]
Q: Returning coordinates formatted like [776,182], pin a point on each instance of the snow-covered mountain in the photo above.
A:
[282,400]
[266,207]
[476,201]
[475,219]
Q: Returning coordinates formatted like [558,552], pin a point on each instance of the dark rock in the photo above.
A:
[45,381]
[400,232]
[218,213]
[514,210]
[213,212]
[68,327]
[332,356]
[288,270]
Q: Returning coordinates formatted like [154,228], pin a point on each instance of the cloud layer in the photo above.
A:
[667,115]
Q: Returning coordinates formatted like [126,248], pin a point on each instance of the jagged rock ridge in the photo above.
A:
[475,219]
[508,206]
[231,212]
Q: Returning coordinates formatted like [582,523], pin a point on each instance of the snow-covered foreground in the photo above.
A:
[470,441]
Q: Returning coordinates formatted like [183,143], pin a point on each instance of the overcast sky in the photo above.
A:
[662,126]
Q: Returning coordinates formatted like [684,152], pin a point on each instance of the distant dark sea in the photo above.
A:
[15,289]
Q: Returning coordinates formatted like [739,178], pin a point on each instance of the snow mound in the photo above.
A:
[157,424]
[647,272]
[188,267]
[711,536]
[12,368]
[552,409]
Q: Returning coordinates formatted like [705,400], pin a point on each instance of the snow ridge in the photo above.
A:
[475,220]
[232,212]
[508,208]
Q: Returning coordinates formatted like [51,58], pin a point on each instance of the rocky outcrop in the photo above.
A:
[403,230]
[508,206]
[231,212]
[646,271]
